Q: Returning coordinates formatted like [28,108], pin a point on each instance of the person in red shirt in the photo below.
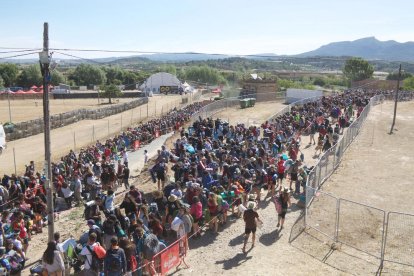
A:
[280,170]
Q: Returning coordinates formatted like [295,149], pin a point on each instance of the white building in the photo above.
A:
[155,81]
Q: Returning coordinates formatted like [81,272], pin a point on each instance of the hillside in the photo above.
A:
[368,48]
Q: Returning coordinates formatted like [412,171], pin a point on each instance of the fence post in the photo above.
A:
[93,134]
[121,122]
[132,115]
[319,176]
[384,238]
[338,207]
[14,157]
[108,127]
[74,141]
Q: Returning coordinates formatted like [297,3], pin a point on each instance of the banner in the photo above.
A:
[170,258]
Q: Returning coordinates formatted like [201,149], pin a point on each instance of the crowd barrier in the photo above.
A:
[376,232]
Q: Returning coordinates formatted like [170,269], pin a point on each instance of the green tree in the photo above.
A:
[9,73]
[168,69]
[57,78]
[111,91]
[86,74]
[356,69]
[1,82]
[319,82]
[29,76]
[409,84]
[394,76]
[114,74]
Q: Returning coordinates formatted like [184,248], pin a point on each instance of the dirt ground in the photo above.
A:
[289,251]
[29,109]
[377,170]
[80,134]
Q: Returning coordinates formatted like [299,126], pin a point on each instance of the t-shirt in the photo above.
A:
[85,252]
[249,217]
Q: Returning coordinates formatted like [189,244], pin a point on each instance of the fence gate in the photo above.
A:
[399,239]
[361,226]
[321,212]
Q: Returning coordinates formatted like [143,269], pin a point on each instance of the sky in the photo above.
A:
[234,27]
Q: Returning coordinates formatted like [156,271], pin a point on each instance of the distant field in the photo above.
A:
[24,110]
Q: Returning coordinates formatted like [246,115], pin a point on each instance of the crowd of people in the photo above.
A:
[216,170]
[77,178]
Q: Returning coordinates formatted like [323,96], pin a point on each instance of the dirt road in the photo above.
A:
[79,134]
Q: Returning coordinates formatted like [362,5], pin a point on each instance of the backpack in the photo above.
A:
[96,264]
[87,213]
[113,258]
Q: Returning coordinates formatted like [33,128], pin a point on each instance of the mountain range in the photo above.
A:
[368,48]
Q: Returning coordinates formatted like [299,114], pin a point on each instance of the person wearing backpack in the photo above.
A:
[93,263]
[115,261]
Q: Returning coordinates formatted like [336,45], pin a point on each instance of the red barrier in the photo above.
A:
[170,257]
[137,144]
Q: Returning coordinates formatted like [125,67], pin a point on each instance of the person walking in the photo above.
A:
[115,261]
[250,217]
[52,261]
[282,202]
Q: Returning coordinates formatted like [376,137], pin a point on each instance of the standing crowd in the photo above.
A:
[213,170]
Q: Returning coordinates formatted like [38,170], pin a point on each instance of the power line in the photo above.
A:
[86,59]
[19,48]
[21,55]
[19,51]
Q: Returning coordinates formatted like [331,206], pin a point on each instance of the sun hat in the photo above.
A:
[251,205]
[172,198]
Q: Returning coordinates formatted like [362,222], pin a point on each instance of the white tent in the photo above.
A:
[153,83]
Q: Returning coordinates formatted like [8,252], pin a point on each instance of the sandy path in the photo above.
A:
[24,110]
[80,134]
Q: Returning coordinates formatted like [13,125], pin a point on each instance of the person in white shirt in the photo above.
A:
[67,194]
[78,190]
[145,156]
[86,253]
[125,157]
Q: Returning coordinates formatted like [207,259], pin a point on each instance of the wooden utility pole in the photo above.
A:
[44,65]
[396,100]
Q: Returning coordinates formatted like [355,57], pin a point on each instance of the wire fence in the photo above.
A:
[381,234]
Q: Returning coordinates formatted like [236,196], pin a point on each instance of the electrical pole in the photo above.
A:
[396,100]
[44,65]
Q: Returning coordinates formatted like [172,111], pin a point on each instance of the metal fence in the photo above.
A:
[386,236]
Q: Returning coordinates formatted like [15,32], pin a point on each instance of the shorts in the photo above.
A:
[282,215]
[247,231]
[280,175]
[161,176]
[26,241]
[196,220]
[294,176]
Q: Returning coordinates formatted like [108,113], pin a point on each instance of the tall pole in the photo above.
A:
[8,99]
[44,63]
[396,100]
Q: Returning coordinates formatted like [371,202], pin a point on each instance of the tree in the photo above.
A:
[1,82]
[111,91]
[394,76]
[57,78]
[319,82]
[114,74]
[86,74]
[409,84]
[29,76]
[9,73]
[357,69]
